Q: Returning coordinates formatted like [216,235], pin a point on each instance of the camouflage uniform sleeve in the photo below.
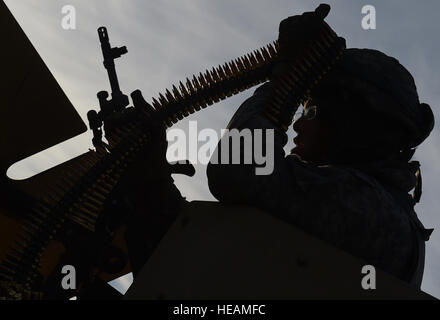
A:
[238,183]
[339,205]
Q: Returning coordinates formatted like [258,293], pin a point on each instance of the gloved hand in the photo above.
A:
[139,127]
[296,33]
[150,161]
[307,47]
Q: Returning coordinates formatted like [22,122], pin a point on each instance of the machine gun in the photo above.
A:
[76,221]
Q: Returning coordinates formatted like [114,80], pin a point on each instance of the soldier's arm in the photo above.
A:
[239,183]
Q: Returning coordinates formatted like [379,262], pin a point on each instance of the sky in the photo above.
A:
[170,40]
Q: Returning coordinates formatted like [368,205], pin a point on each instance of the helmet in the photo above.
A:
[388,88]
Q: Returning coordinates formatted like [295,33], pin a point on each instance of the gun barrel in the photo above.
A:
[103,36]
[110,54]
[120,101]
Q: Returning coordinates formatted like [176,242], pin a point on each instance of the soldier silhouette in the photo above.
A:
[348,179]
